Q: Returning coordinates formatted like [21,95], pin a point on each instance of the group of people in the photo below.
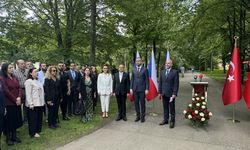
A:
[44,90]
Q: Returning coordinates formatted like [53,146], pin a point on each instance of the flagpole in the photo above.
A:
[234,105]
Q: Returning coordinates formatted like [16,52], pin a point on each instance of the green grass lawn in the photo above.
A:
[217,75]
[69,131]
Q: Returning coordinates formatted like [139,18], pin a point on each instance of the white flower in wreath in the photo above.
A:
[204,103]
[190,105]
[197,98]
[193,99]
[198,104]
[195,94]
[202,114]
[196,111]
[203,119]
[184,112]
[189,116]
[210,114]
[205,100]
[202,97]
[203,107]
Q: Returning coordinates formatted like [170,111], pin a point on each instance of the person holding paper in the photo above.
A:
[168,89]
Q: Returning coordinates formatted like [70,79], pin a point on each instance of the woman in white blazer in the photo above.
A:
[34,102]
[105,89]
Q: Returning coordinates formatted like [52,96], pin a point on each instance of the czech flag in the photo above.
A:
[153,84]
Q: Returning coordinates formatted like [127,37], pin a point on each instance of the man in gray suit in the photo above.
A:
[168,89]
[139,88]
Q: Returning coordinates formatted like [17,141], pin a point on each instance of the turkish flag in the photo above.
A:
[247,91]
[232,86]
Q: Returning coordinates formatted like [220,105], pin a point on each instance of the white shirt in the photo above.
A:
[120,76]
[34,93]
[104,84]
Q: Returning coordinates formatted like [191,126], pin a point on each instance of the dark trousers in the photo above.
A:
[52,114]
[57,105]
[168,107]
[73,98]
[24,108]
[121,102]
[64,104]
[1,126]
[35,118]
[139,100]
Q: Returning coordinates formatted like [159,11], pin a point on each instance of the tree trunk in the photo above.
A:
[93,32]
[69,26]
[146,55]
[56,23]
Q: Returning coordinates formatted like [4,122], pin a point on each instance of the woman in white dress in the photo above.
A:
[105,89]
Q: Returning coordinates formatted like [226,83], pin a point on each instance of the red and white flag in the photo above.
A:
[247,91]
[232,86]
[153,84]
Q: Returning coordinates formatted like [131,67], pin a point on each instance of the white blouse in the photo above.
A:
[104,84]
[34,93]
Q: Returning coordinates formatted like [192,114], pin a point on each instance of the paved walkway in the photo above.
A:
[220,134]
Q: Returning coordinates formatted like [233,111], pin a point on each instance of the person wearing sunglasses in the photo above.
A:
[53,94]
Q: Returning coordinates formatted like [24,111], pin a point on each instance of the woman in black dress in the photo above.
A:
[53,94]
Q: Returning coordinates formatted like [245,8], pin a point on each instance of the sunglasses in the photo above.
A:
[54,70]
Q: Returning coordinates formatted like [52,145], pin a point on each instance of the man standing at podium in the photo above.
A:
[168,89]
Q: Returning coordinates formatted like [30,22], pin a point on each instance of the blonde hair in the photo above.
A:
[48,73]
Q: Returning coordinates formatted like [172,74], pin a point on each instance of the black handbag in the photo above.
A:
[80,108]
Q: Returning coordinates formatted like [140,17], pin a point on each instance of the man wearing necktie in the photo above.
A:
[74,78]
[168,89]
[139,89]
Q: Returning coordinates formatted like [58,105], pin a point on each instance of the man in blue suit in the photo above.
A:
[139,88]
[168,89]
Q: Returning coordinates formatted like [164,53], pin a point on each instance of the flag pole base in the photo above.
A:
[153,114]
[233,120]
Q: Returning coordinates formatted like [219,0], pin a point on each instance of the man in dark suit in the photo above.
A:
[65,85]
[121,89]
[74,78]
[168,89]
[139,88]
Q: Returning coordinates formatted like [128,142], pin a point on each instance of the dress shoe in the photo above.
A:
[142,120]
[171,125]
[137,119]
[57,126]
[163,123]
[52,127]
[124,118]
[103,115]
[66,118]
[36,135]
[16,139]
[9,142]
[118,119]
